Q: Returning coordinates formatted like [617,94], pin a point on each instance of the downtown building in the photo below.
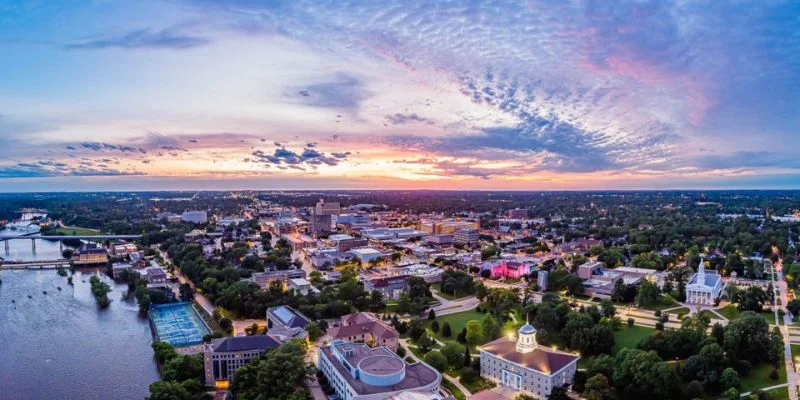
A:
[323,217]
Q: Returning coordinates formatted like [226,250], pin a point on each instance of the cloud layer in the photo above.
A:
[478,93]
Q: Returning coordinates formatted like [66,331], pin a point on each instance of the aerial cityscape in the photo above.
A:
[403,200]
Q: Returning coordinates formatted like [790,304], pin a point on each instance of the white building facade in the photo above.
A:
[525,366]
[704,287]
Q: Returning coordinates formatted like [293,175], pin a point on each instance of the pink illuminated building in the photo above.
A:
[508,269]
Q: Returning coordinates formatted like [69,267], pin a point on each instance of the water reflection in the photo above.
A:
[59,345]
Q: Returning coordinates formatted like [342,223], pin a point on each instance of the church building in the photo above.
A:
[704,287]
[526,366]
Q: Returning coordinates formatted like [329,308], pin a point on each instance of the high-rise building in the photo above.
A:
[466,236]
[323,216]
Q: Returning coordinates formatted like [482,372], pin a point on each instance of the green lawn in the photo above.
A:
[459,395]
[457,322]
[680,312]
[731,312]
[779,393]
[629,337]
[74,230]
[449,296]
[795,350]
[759,377]
[664,302]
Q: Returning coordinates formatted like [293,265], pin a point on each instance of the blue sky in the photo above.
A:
[251,94]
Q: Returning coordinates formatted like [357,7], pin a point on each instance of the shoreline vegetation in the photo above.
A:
[100,291]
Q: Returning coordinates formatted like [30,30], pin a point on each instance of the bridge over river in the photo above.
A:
[94,238]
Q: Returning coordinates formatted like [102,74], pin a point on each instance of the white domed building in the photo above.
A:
[523,365]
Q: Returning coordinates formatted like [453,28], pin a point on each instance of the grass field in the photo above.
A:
[731,312]
[664,302]
[759,377]
[629,337]
[779,393]
[457,322]
[76,231]
[449,296]
[680,312]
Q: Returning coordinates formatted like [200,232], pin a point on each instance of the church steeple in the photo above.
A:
[701,271]
[526,342]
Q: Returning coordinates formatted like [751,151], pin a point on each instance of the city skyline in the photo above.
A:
[195,94]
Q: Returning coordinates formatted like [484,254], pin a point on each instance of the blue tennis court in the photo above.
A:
[178,324]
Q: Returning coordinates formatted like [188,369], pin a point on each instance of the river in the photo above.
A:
[61,346]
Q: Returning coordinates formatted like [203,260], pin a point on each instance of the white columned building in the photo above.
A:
[703,287]
[524,365]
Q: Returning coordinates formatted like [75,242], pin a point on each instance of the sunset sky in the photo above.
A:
[539,95]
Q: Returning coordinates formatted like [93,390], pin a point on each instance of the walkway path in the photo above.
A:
[745,394]
[454,306]
[202,300]
[311,382]
[791,376]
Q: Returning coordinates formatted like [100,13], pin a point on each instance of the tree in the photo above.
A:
[694,390]
[163,351]
[574,285]
[424,343]
[607,308]
[454,353]
[729,379]
[481,291]
[183,367]
[314,331]
[631,321]
[446,330]
[598,388]
[401,351]
[469,375]
[435,326]
[436,360]
[731,394]
[468,357]
[490,328]
[752,299]
[462,336]
[602,364]
[648,294]
[558,393]
[794,307]
[415,329]
[278,373]
[776,346]
[431,315]
[165,390]
[641,374]
[474,332]
[748,338]
[718,333]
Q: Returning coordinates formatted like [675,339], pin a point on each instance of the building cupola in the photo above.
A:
[526,341]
